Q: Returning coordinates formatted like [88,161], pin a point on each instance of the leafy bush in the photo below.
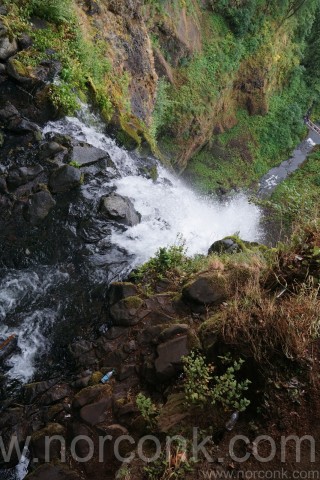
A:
[147,409]
[202,388]
[165,261]
[55,11]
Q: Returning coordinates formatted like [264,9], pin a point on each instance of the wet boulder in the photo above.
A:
[121,209]
[64,179]
[87,155]
[20,72]
[83,353]
[206,289]
[11,120]
[226,245]
[52,150]
[39,207]
[20,176]
[56,393]
[33,391]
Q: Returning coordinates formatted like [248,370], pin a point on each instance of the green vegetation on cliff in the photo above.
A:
[249,68]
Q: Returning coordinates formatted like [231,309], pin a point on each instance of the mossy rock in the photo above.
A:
[209,332]
[126,140]
[19,72]
[207,289]
[193,341]
[50,430]
[126,311]
[95,378]
[151,173]
[92,394]
[172,413]
[39,441]
[230,245]
[54,410]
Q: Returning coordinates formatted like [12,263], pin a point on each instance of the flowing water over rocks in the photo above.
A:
[276,175]
[55,274]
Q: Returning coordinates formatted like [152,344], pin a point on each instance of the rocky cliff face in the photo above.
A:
[190,70]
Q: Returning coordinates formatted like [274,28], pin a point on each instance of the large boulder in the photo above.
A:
[64,179]
[170,353]
[96,412]
[91,394]
[125,313]
[39,207]
[33,391]
[120,209]
[87,155]
[11,120]
[206,289]
[20,176]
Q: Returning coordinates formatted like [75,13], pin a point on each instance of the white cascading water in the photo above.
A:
[173,211]
[27,322]
[170,210]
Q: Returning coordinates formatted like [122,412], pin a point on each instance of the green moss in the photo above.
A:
[193,341]
[49,431]
[209,332]
[132,302]
[95,378]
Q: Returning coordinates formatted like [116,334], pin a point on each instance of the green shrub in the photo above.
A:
[202,388]
[147,409]
[55,11]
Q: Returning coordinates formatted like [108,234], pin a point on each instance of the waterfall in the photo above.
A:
[93,251]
